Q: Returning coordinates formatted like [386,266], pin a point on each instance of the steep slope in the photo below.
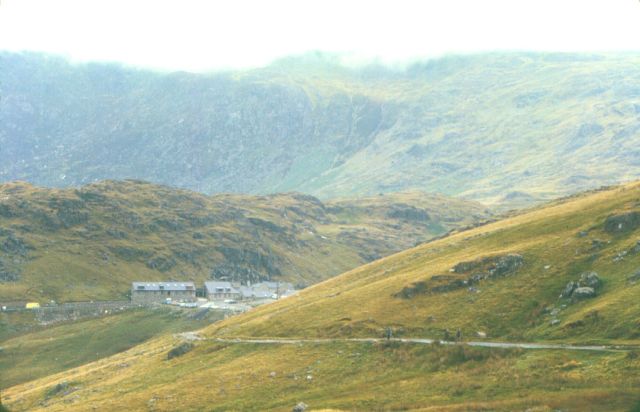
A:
[91,242]
[514,128]
[504,279]
[521,266]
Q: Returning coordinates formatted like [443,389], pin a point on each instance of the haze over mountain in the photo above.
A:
[502,127]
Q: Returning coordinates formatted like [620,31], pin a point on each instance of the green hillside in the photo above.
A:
[509,279]
[42,351]
[510,128]
[92,242]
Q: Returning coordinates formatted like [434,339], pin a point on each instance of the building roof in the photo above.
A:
[158,286]
[250,292]
[215,286]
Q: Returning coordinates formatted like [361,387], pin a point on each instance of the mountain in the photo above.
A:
[91,242]
[566,272]
[512,128]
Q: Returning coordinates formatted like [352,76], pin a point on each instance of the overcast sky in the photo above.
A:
[203,35]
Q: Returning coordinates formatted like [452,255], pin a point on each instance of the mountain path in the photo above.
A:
[485,344]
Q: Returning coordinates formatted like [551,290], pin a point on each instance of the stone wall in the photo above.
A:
[160,296]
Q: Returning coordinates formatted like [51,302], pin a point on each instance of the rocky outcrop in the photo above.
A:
[585,287]
[493,265]
[161,263]
[180,350]
[8,275]
[408,213]
[583,293]
[15,245]
[622,223]
[476,271]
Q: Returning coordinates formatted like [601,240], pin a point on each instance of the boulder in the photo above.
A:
[583,293]
[568,290]
[622,223]
[300,407]
[589,279]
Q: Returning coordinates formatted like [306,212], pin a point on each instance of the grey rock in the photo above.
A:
[583,293]
[622,223]
[300,407]
[635,277]
[568,289]
[589,279]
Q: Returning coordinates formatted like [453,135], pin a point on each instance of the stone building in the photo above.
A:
[159,292]
[215,290]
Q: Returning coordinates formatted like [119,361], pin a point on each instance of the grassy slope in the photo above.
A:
[360,303]
[92,242]
[44,351]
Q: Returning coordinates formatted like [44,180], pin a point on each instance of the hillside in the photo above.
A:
[500,128]
[39,351]
[514,280]
[91,242]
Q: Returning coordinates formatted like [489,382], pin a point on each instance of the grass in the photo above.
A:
[48,350]
[341,376]
[91,243]
[393,376]
[362,302]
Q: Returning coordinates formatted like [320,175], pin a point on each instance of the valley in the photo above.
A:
[523,266]
[90,243]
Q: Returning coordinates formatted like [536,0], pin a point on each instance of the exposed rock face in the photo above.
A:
[585,287]
[335,132]
[180,350]
[268,264]
[161,263]
[491,267]
[495,266]
[583,293]
[589,279]
[622,223]
[568,290]
[410,213]
[300,407]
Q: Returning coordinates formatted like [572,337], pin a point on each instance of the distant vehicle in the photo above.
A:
[230,301]
[190,305]
[32,305]
[167,301]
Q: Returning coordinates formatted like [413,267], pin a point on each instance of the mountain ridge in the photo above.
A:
[513,128]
